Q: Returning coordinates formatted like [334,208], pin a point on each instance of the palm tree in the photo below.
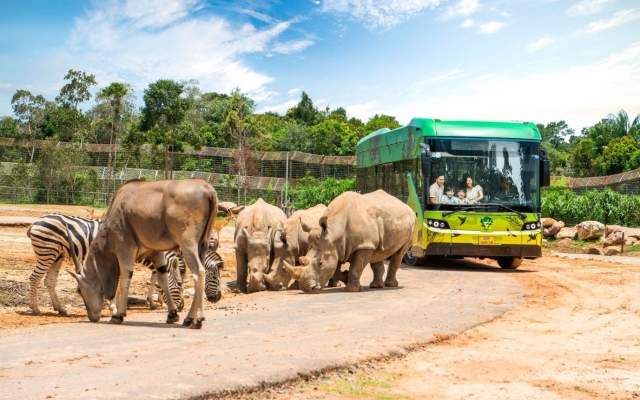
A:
[114,94]
[623,126]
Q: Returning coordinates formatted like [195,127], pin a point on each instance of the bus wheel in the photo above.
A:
[412,261]
[509,262]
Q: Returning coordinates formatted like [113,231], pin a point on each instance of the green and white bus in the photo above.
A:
[507,168]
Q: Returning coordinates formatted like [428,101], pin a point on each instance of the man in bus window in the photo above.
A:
[436,190]
[448,197]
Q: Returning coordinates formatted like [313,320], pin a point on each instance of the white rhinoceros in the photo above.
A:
[256,227]
[358,229]
[291,243]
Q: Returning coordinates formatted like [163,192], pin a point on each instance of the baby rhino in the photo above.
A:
[256,227]
[359,229]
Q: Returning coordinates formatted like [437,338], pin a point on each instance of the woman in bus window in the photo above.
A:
[474,193]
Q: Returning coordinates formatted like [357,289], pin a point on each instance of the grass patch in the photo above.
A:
[369,388]
[535,321]
[579,389]
[635,247]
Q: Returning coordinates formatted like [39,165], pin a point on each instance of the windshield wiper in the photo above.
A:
[522,215]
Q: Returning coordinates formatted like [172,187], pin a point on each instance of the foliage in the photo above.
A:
[607,207]
[381,121]
[305,112]
[307,196]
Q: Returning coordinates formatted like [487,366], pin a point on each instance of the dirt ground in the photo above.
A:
[575,336]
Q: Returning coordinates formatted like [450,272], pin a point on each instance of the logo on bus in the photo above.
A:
[485,224]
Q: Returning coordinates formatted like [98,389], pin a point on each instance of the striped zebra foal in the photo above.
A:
[49,241]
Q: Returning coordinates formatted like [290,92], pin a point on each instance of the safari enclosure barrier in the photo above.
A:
[273,170]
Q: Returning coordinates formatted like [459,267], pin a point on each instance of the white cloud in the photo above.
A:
[293,46]
[280,108]
[491,27]
[587,7]
[580,95]
[455,73]
[467,23]
[141,42]
[540,43]
[462,8]
[294,91]
[363,111]
[618,18]
[381,13]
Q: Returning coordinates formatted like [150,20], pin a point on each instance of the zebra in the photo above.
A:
[49,241]
[177,270]
[212,265]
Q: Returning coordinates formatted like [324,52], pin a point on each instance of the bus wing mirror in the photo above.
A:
[545,170]
[425,159]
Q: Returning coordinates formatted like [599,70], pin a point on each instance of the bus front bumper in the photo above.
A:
[474,250]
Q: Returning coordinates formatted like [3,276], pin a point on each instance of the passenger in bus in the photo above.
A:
[461,197]
[507,192]
[448,197]
[474,193]
[437,190]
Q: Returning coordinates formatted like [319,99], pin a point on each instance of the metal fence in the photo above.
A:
[623,183]
[274,170]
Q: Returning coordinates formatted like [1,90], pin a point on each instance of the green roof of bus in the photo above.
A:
[402,143]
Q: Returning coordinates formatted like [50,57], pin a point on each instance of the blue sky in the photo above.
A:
[531,60]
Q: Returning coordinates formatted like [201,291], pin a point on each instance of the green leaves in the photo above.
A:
[324,192]
[608,207]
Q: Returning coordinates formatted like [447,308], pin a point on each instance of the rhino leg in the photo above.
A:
[394,264]
[360,260]
[241,270]
[378,273]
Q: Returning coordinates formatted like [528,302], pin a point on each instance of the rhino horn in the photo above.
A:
[246,232]
[304,260]
[296,272]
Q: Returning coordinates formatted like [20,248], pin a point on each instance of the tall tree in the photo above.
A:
[30,111]
[165,108]
[114,94]
[76,92]
[240,130]
[380,121]
[9,127]
[622,124]
[305,112]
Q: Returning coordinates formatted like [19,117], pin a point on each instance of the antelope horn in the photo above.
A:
[72,251]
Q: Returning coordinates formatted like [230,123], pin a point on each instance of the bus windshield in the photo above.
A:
[484,174]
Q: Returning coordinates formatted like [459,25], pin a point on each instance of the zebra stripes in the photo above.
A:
[175,266]
[49,241]
[212,265]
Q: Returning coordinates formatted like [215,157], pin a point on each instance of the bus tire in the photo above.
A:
[509,262]
[412,261]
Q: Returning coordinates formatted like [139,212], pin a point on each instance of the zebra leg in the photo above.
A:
[160,263]
[34,280]
[50,281]
[152,289]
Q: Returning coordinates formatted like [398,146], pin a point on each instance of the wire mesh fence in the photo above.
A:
[273,171]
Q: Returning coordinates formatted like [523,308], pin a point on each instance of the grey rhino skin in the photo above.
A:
[359,229]
[256,227]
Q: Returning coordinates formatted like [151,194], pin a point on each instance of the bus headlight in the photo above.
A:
[531,226]
[436,223]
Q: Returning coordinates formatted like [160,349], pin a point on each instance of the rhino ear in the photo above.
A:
[296,272]
[323,224]
[304,226]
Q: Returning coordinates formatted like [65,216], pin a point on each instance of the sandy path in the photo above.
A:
[576,336]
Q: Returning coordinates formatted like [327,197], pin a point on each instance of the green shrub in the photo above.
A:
[607,206]
[305,196]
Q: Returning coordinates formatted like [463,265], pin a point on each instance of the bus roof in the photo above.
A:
[386,145]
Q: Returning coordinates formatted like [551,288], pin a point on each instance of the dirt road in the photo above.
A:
[575,335]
